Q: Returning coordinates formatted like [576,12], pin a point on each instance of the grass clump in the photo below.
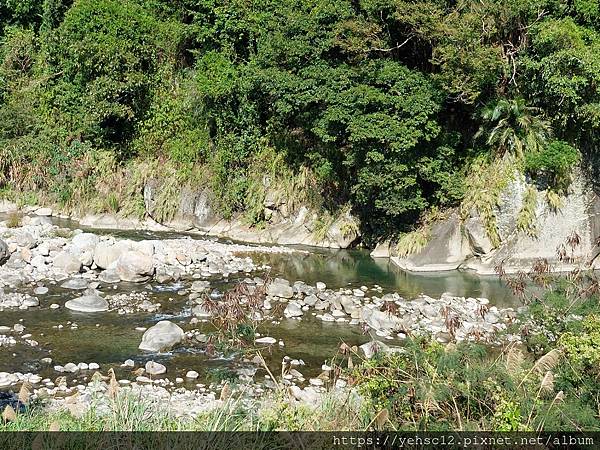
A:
[555,162]
[526,219]
[413,242]
[486,180]
[127,410]
[431,387]
[554,200]
[14,219]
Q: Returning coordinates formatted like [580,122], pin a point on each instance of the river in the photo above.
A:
[109,338]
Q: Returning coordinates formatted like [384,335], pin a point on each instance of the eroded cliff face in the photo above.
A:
[566,237]
[194,212]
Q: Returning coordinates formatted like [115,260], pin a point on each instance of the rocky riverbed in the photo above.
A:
[169,293]
[38,252]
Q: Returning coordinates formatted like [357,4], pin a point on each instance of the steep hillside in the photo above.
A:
[367,118]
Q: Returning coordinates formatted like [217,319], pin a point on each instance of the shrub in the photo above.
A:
[556,161]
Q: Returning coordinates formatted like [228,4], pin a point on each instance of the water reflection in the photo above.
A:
[356,267]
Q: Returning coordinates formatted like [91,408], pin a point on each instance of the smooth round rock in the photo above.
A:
[154,368]
[161,336]
[88,303]
[75,284]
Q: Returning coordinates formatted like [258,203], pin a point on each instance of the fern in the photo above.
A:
[526,219]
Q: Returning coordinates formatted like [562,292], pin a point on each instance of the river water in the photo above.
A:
[109,338]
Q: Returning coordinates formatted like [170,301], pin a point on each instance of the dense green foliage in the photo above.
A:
[379,104]
[556,160]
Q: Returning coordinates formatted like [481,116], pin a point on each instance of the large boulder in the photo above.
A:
[446,250]
[162,336]
[344,232]
[566,238]
[193,211]
[382,250]
[478,238]
[88,303]
[4,252]
[106,254]
[85,241]
[67,262]
[135,266]
[572,230]
[280,288]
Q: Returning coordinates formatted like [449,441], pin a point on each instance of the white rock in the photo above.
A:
[44,212]
[161,336]
[154,368]
[88,303]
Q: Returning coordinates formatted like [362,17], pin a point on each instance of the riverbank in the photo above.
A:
[187,324]
[302,227]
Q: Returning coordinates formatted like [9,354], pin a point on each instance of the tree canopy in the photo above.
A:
[383,102]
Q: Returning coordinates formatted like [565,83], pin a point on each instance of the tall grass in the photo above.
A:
[526,218]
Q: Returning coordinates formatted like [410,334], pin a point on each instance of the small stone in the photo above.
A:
[71,367]
[292,310]
[43,212]
[40,290]
[191,374]
[339,383]
[75,284]
[128,363]
[154,368]
[266,340]
[93,366]
[88,303]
